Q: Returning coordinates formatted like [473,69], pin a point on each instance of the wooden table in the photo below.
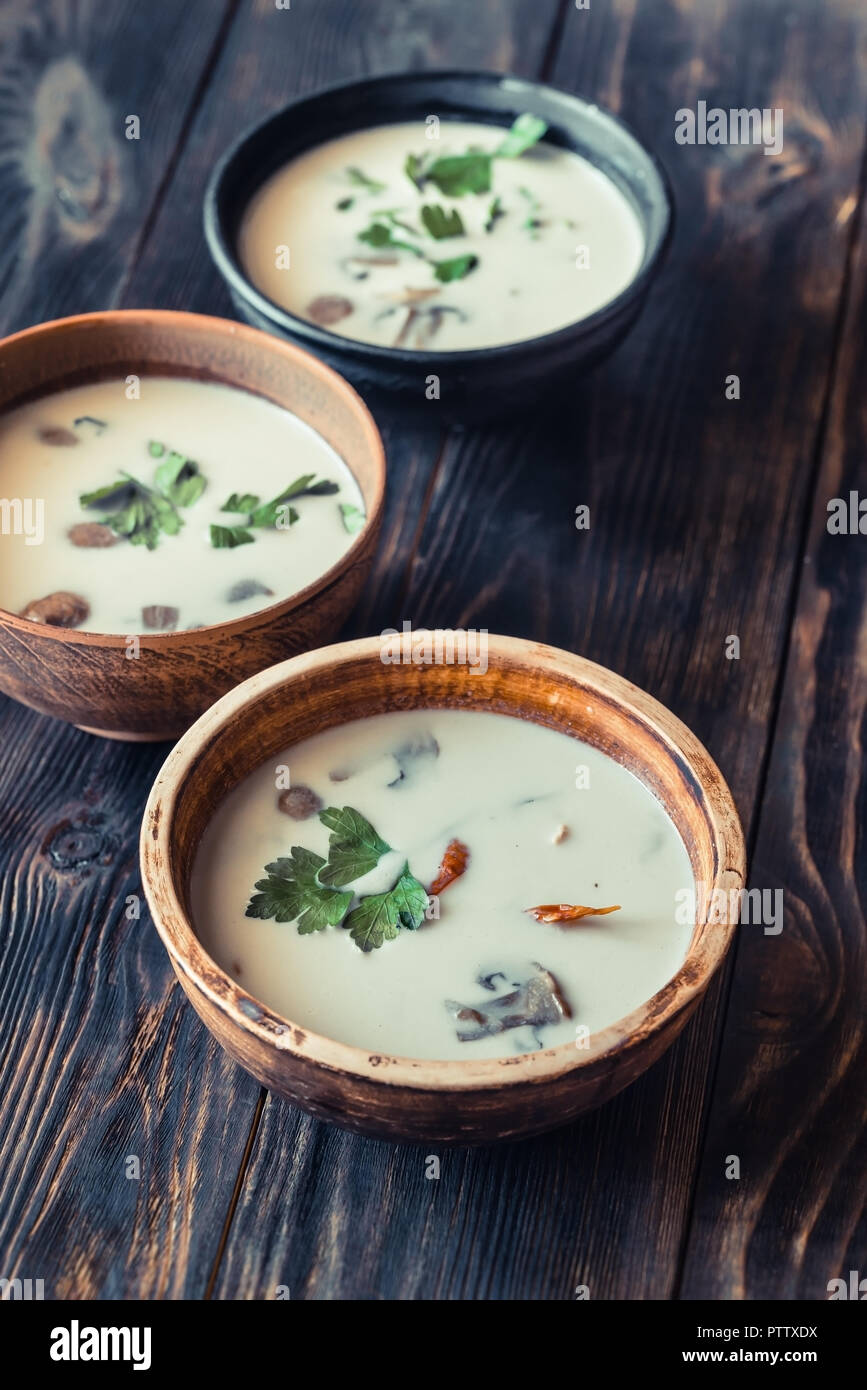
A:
[708,521]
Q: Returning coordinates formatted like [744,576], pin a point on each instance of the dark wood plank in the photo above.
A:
[697,506]
[76,190]
[97,1063]
[790,1099]
[105,1059]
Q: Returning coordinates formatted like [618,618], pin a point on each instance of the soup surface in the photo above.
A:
[344,236]
[543,819]
[161,552]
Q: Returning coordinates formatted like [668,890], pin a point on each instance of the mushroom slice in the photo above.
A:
[537,1002]
[58,610]
[160,617]
[92,535]
[58,436]
[248,588]
[330,308]
[299,802]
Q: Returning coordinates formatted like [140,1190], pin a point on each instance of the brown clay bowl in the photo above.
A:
[465,1102]
[84,677]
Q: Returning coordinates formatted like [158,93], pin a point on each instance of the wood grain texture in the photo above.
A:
[77,192]
[204,1105]
[697,506]
[790,1098]
[96,1063]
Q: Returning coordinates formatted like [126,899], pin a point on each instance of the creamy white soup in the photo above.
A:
[477,237]
[192,504]
[429,881]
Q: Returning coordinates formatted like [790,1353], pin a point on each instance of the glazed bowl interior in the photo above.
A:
[83,676]
[312,693]
[573,124]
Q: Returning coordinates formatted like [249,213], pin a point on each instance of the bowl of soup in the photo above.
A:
[184,501]
[442,892]
[453,237]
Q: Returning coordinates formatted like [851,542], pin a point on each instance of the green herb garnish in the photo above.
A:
[241,502]
[307,888]
[495,212]
[379,917]
[230,537]
[177,477]
[526,131]
[414,168]
[379,234]
[361,180]
[99,425]
[292,892]
[271,512]
[457,174]
[354,847]
[353,517]
[532,222]
[455,269]
[345,204]
[142,513]
[442,222]
[247,504]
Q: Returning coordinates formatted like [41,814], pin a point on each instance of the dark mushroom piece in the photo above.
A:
[58,436]
[92,535]
[299,802]
[535,1003]
[248,588]
[58,610]
[330,308]
[160,617]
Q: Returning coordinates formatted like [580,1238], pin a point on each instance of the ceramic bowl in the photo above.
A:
[482,381]
[464,1102]
[85,677]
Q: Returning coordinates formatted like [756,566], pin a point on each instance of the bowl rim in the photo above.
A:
[293,353]
[618,1040]
[228,262]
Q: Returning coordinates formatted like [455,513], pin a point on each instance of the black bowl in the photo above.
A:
[481,381]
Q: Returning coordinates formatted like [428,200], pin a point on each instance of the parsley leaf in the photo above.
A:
[361,180]
[229,537]
[353,517]
[442,222]
[140,513]
[532,222]
[354,847]
[292,891]
[495,212]
[379,234]
[414,168]
[177,477]
[526,131]
[241,502]
[454,269]
[457,174]
[270,512]
[379,917]
[305,887]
